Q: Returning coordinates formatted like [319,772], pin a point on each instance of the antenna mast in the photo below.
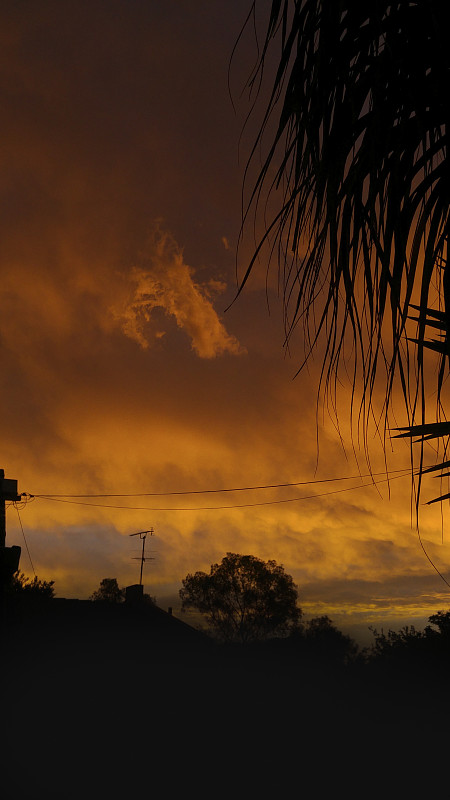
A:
[143,536]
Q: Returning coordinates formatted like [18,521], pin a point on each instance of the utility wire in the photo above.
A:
[24,538]
[399,473]
[394,473]
[54,498]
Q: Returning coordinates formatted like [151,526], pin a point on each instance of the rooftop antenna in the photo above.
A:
[142,535]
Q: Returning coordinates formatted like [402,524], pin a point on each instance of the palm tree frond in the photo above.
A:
[356,174]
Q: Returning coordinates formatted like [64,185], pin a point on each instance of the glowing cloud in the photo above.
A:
[165,282]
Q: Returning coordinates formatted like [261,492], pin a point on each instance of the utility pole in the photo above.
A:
[8,491]
[9,556]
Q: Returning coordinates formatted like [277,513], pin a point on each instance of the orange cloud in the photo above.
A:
[165,282]
[114,379]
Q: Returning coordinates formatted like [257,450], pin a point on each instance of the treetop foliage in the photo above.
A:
[30,588]
[108,592]
[429,647]
[244,598]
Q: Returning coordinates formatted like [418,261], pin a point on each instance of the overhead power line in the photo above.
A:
[394,473]
[65,498]
[16,506]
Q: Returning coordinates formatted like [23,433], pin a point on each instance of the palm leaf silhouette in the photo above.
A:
[354,169]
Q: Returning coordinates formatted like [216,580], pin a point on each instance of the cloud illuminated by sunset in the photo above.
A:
[165,281]
[121,370]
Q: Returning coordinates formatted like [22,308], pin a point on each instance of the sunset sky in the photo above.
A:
[122,163]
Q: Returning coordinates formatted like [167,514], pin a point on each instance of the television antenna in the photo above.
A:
[143,536]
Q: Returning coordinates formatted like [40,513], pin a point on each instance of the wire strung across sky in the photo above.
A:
[399,473]
[16,506]
[70,498]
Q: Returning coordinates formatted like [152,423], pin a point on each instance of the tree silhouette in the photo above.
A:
[22,595]
[442,622]
[354,186]
[323,639]
[244,599]
[108,592]
[30,589]
[417,650]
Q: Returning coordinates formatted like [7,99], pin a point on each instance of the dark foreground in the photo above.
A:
[101,709]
